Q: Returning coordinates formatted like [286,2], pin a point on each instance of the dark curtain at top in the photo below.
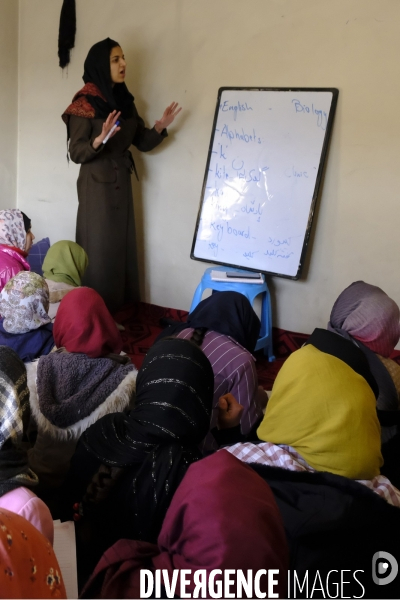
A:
[66,34]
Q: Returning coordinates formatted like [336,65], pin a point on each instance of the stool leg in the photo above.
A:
[269,352]
[266,325]
[264,315]
[197,297]
[271,356]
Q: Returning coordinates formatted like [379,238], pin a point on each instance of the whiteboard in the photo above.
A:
[263,174]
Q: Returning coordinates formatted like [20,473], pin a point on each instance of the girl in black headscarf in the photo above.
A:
[102,122]
[127,467]
[226,328]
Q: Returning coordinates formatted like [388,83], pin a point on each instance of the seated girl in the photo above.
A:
[127,466]
[323,404]
[226,328]
[324,399]
[29,566]
[25,325]
[16,240]
[364,314]
[63,268]
[222,516]
[331,521]
[74,387]
[16,478]
[322,409]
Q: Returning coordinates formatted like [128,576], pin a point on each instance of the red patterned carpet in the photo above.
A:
[142,325]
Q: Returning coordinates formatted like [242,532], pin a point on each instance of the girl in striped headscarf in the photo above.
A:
[226,328]
[127,467]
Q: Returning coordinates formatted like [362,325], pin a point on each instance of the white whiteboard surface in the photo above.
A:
[263,173]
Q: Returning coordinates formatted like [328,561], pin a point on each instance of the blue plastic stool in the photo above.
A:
[250,290]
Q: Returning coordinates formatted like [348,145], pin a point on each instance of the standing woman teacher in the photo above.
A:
[105,224]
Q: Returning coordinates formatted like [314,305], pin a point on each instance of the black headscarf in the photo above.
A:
[97,71]
[150,491]
[27,222]
[174,392]
[154,445]
[228,313]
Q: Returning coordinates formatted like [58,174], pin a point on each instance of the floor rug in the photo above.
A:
[142,326]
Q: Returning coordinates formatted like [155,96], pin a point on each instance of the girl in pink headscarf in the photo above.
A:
[16,240]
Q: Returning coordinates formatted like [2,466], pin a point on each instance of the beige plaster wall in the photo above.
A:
[184,50]
[8,102]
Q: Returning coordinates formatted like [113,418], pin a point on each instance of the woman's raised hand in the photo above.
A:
[169,115]
[107,127]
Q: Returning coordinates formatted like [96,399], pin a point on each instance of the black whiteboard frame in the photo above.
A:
[317,189]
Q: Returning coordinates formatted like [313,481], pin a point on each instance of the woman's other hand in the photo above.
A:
[169,115]
[229,412]
[107,126]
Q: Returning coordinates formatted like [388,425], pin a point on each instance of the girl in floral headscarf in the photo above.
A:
[25,325]
[15,242]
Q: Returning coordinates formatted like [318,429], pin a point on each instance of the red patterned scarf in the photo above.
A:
[80,106]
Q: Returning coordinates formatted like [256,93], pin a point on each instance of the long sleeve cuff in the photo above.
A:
[227,437]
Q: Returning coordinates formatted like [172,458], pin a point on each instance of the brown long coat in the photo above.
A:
[105,225]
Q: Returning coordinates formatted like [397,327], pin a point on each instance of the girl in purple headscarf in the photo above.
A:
[366,315]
